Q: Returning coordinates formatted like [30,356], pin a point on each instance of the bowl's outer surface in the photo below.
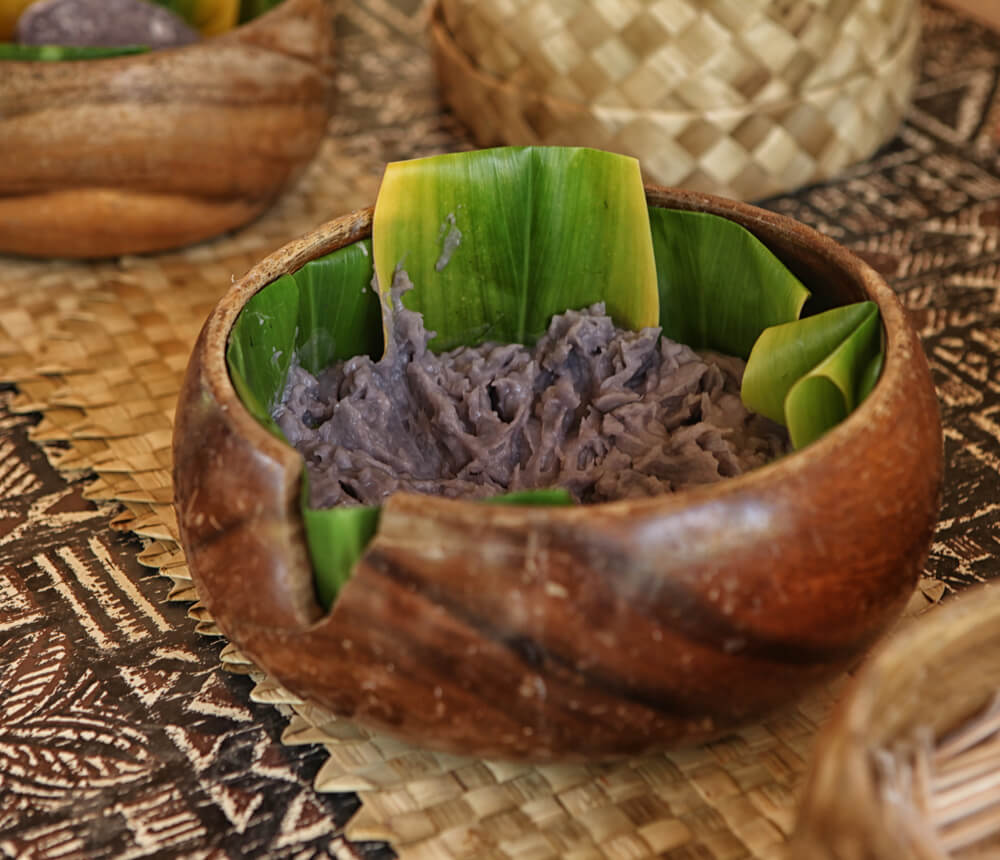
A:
[536,633]
[154,151]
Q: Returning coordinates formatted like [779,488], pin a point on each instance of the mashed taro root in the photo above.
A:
[605,413]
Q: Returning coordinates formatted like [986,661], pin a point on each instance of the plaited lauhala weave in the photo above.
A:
[100,350]
[744,99]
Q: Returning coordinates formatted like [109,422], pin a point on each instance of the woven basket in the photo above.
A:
[739,99]
[909,766]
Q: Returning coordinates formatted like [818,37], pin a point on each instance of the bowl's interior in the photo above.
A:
[323,310]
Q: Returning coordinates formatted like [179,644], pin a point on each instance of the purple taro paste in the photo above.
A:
[605,413]
[103,23]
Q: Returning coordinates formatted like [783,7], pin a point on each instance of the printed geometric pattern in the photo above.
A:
[119,736]
[149,748]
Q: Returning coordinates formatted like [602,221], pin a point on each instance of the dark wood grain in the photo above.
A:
[153,151]
[594,631]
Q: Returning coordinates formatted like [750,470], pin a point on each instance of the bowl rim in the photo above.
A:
[336,233]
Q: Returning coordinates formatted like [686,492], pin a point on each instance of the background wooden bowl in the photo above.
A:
[592,631]
[154,151]
[934,676]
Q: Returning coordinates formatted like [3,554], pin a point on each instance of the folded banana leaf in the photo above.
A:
[811,373]
[496,242]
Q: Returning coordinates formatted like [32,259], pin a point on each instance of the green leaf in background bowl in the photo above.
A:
[57,53]
[212,17]
[250,9]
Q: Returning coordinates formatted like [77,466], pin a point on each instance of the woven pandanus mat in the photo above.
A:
[99,350]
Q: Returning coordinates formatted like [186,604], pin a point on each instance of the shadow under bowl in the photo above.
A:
[581,632]
[154,151]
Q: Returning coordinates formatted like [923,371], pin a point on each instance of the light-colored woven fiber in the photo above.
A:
[677,55]
[747,150]
[909,766]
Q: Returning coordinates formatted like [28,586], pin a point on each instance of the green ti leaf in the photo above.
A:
[325,312]
[261,347]
[337,538]
[497,241]
[810,374]
[719,285]
[546,497]
[337,322]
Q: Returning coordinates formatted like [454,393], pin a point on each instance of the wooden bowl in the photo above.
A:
[934,677]
[154,151]
[583,632]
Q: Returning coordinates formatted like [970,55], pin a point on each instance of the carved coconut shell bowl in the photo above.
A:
[581,632]
[158,150]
